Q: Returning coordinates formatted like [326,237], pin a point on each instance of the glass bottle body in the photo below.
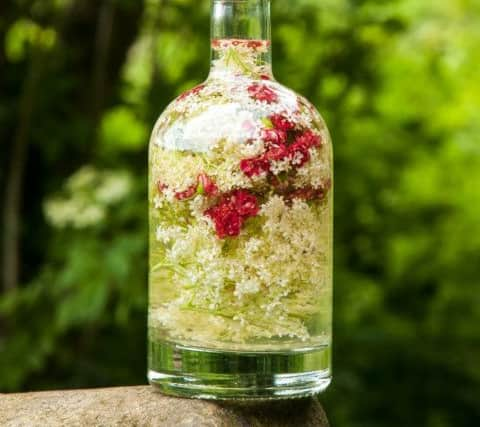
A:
[241,205]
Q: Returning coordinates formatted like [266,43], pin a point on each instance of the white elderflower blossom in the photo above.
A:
[168,234]
[158,202]
[198,207]
[279,166]
[316,172]
[246,287]
[252,149]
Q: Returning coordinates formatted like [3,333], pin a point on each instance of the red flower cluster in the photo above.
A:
[204,186]
[245,203]
[308,139]
[278,147]
[277,153]
[255,166]
[187,194]
[261,92]
[282,123]
[300,149]
[161,186]
[195,91]
[230,214]
[307,194]
[255,44]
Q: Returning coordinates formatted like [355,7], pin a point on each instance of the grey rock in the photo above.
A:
[144,407]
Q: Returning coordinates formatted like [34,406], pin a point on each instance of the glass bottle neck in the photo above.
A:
[241,38]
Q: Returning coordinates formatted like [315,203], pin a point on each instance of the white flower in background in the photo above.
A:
[114,186]
[87,195]
[84,178]
[77,213]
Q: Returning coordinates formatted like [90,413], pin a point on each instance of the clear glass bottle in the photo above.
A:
[241,205]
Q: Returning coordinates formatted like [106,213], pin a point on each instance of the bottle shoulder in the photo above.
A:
[236,108]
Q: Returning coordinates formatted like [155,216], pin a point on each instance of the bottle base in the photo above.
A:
[230,375]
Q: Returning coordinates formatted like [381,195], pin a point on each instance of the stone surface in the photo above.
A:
[142,406]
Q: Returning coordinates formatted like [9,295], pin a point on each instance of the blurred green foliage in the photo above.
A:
[397,81]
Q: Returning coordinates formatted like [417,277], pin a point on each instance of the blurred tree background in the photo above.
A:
[81,84]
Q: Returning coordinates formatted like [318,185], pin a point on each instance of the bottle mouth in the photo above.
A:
[241,20]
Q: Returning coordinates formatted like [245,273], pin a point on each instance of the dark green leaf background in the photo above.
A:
[81,84]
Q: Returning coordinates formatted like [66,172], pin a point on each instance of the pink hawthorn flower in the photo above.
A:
[274,136]
[261,92]
[255,44]
[187,194]
[204,185]
[309,139]
[277,153]
[254,167]
[207,185]
[300,149]
[300,154]
[195,91]
[308,194]
[161,187]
